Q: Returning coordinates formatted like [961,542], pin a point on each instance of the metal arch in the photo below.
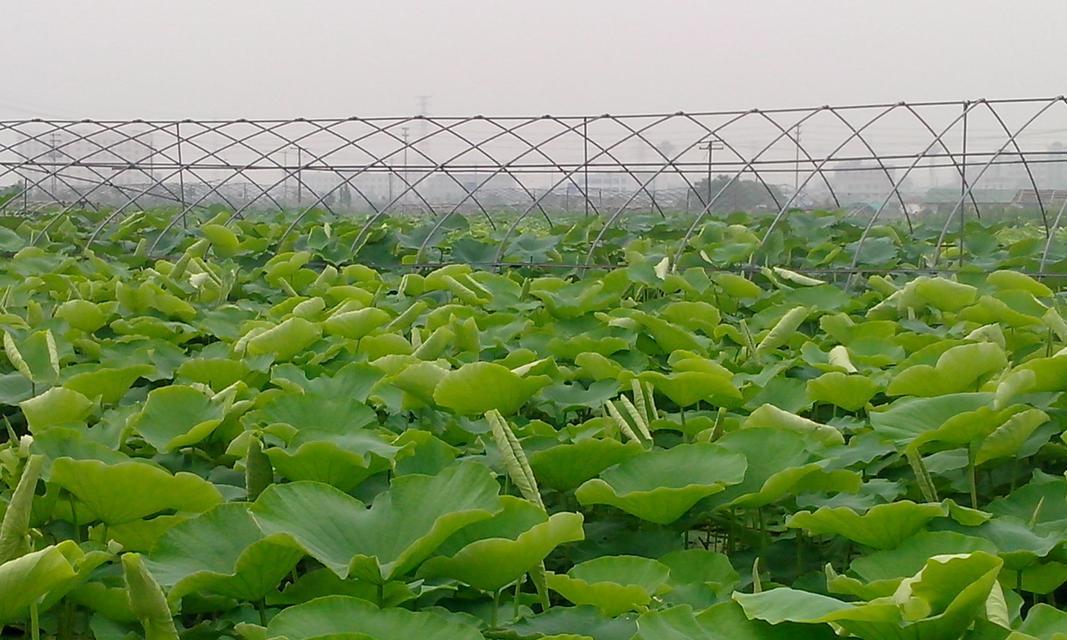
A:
[102,128]
[569,176]
[62,212]
[782,212]
[378,160]
[360,236]
[159,126]
[413,186]
[116,212]
[707,207]
[720,138]
[470,193]
[238,142]
[381,160]
[711,133]
[263,192]
[1026,165]
[804,150]
[441,166]
[938,139]
[985,167]
[889,178]
[1048,240]
[535,201]
[501,168]
[33,162]
[350,143]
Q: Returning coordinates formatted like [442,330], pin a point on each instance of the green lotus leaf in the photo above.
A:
[782,331]
[314,410]
[908,418]
[725,621]
[1050,374]
[564,467]
[957,370]
[1013,384]
[574,623]
[1045,622]
[356,324]
[612,584]
[419,380]
[147,602]
[178,416]
[343,460]
[34,356]
[692,315]
[107,384]
[939,602]
[82,315]
[32,577]
[400,530]
[666,334]
[1007,308]
[347,617]
[686,388]
[737,286]
[221,552]
[778,466]
[1007,439]
[217,373]
[286,340]
[881,527]
[882,571]
[57,406]
[850,392]
[15,387]
[224,241]
[493,553]
[594,366]
[768,415]
[143,535]
[699,578]
[1003,279]
[661,485]
[964,428]
[1042,578]
[1017,542]
[128,491]
[323,582]
[940,293]
[478,387]
[1042,501]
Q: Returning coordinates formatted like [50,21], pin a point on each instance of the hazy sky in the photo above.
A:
[233,58]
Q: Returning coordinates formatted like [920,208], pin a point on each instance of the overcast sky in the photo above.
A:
[265,58]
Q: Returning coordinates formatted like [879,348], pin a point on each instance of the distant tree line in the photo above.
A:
[742,195]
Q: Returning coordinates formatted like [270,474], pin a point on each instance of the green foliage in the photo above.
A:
[236,439]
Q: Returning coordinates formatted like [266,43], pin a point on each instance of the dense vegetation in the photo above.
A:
[248,434]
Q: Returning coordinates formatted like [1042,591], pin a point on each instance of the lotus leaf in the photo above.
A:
[660,486]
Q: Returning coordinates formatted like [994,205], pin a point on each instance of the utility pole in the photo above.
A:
[299,166]
[404,131]
[53,157]
[796,171]
[711,147]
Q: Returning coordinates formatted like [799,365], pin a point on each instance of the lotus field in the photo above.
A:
[248,431]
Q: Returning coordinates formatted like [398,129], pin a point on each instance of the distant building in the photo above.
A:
[857,183]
